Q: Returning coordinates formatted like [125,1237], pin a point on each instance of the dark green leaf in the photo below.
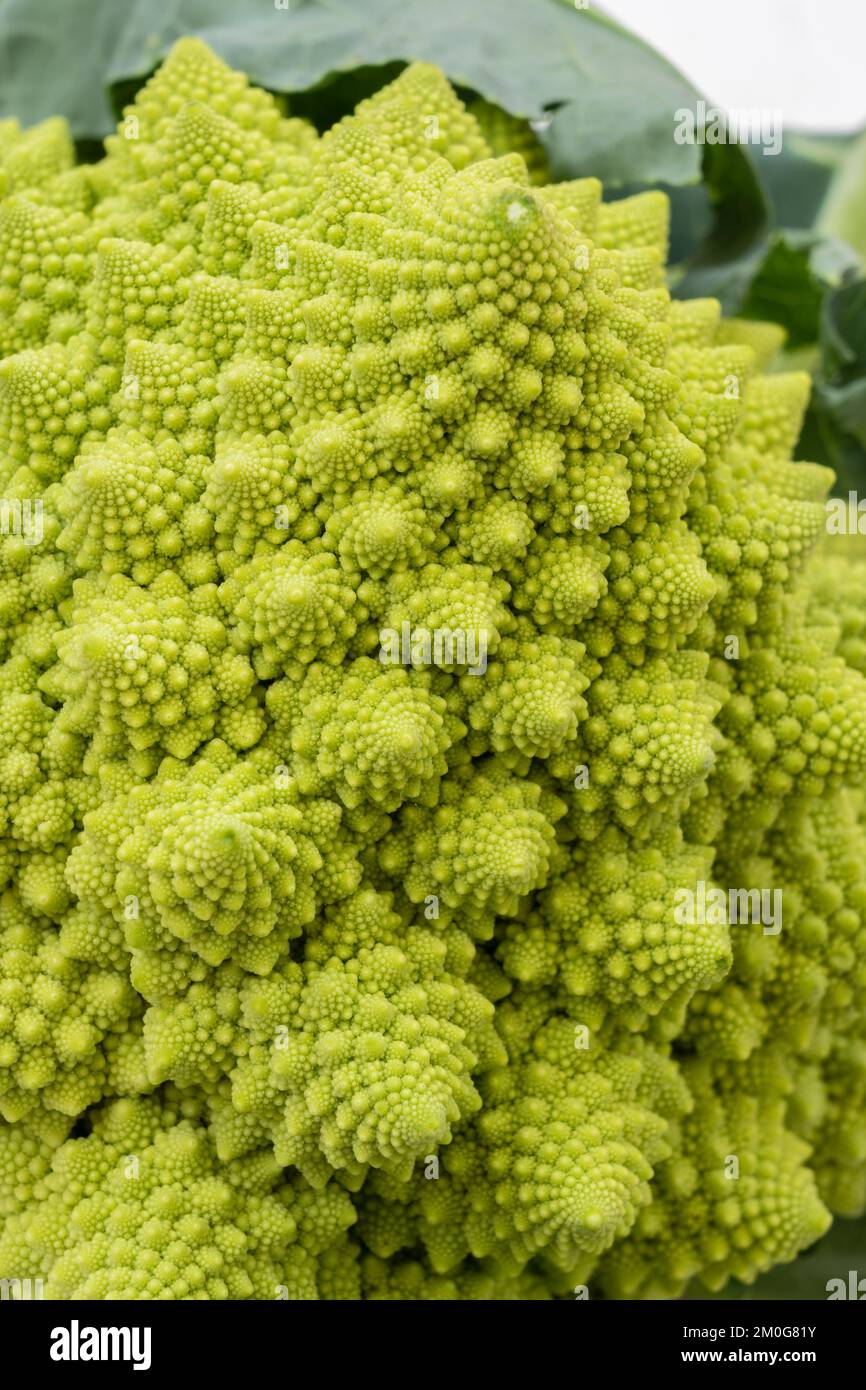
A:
[53,61]
[797,179]
[840,384]
[786,289]
[783,276]
[615,98]
[834,432]
[739,207]
[821,441]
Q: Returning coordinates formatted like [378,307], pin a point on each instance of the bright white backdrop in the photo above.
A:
[806,59]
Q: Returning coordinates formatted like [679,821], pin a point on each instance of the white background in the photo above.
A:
[807,60]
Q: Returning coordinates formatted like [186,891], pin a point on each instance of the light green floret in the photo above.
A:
[131,509]
[645,747]
[799,989]
[452,614]
[835,593]
[50,398]
[734,1199]
[55,1014]
[487,843]
[192,1032]
[560,582]
[150,669]
[364,1054]
[34,158]
[496,533]
[530,699]
[252,496]
[368,733]
[219,854]
[46,259]
[168,393]
[609,932]
[141,1209]
[558,1163]
[26,1149]
[439,582]
[505,133]
[42,794]
[381,530]
[289,609]
[34,580]
[657,589]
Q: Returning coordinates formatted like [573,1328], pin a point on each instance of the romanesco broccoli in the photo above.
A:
[406,603]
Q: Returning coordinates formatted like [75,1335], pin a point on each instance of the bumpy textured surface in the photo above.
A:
[403,604]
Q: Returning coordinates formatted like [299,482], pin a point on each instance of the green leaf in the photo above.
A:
[841,379]
[727,230]
[782,276]
[39,77]
[614,97]
[798,178]
[789,286]
[843,212]
[821,441]
[835,428]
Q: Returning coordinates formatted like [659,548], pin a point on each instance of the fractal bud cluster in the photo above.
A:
[404,603]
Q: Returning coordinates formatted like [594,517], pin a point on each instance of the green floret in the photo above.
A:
[34,158]
[55,1016]
[608,931]
[218,854]
[382,531]
[487,843]
[711,1218]
[560,582]
[129,509]
[505,133]
[46,260]
[141,1210]
[645,747]
[531,699]
[290,609]
[251,495]
[558,1163]
[364,1054]
[368,733]
[444,607]
[150,669]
